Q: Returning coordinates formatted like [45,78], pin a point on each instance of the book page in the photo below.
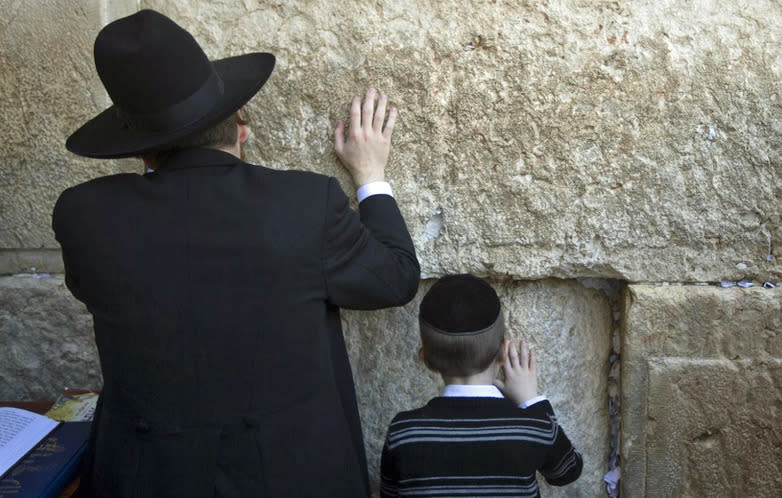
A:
[20,431]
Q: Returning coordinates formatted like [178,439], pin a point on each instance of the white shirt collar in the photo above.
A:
[471,391]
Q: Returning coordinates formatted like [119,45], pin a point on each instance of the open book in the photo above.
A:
[20,431]
[40,456]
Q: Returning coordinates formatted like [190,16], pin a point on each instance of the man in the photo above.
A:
[215,285]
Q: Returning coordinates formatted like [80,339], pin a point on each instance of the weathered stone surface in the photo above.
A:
[562,138]
[633,140]
[570,327]
[47,341]
[622,140]
[701,391]
[49,88]
[714,428]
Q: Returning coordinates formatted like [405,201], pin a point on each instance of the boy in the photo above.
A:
[472,441]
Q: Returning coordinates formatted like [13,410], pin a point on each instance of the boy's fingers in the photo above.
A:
[506,364]
[380,113]
[369,109]
[532,361]
[389,129]
[524,354]
[514,357]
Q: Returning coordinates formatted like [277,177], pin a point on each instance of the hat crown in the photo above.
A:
[148,63]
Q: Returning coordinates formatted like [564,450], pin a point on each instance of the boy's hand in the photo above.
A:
[521,378]
[365,152]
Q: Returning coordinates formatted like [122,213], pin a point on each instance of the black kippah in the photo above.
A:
[460,304]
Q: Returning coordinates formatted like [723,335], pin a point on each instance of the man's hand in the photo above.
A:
[521,378]
[365,151]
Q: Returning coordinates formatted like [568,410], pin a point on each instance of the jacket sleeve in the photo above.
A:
[369,261]
[563,463]
[60,219]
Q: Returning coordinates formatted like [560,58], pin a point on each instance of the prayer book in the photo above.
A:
[39,456]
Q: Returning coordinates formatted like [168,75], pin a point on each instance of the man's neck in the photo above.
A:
[235,150]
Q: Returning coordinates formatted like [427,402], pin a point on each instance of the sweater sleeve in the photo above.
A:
[563,463]
[389,478]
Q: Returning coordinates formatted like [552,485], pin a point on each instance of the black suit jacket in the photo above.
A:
[215,288]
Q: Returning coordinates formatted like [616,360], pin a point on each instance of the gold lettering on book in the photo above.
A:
[35,461]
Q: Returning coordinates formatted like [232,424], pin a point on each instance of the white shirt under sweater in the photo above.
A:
[483,391]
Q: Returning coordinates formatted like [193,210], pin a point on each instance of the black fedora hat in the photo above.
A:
[163,87]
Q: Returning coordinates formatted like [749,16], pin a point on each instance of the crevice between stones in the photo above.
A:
[614,290]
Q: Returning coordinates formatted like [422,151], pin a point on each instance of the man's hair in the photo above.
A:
[461,324]
[223,134]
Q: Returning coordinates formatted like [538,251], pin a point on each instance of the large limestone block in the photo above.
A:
[49,88]
[568,324]
[631,140]
[46,340]
[624,140]
[701,391]
[714,428]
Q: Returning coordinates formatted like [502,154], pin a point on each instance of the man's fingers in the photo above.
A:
[380,113]
[355,114]
[389,129]
[339,136]
[369,109]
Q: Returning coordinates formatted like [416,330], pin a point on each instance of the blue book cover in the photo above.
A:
[49,467]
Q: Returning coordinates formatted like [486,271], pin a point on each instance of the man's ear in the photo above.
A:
[243,132]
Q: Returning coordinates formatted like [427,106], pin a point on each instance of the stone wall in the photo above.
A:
[557,147]
[702,391]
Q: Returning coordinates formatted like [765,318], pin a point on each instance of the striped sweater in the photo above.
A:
[463,447]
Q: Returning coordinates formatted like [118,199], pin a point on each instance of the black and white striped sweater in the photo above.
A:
[464,447]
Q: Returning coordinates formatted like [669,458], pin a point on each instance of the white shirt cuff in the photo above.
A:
[373,188]
[532,401]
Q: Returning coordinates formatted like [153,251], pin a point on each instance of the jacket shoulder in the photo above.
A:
[85,191]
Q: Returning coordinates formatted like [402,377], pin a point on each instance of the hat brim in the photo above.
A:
[106,136]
